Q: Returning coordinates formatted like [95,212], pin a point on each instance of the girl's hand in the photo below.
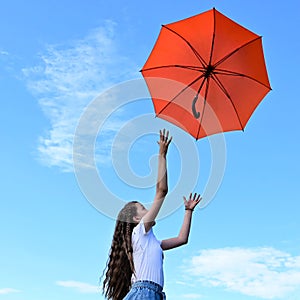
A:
[191,203]
[164,142]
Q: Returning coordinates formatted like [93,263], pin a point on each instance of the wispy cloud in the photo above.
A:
[80,287]
[3,52]
[6,291]
[7,63]
[66,79]
[262,272]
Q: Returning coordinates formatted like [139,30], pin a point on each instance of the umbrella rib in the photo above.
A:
[204,104]
[194,68]
[202,61]
[208,77]
[213,38]
[234,51]
[232,73]
[186,87]
[223,89]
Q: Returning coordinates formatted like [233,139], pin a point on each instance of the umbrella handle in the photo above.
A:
[195,112]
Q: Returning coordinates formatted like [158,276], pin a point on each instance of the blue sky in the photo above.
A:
[56,57]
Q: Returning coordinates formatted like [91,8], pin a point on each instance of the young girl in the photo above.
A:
[135,265]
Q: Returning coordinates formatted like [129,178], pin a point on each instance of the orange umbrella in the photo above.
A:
[216,74]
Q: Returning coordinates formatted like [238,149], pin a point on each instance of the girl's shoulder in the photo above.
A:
[140,229]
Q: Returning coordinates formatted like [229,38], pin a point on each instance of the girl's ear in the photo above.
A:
[136,219]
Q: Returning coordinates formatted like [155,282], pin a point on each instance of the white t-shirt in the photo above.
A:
[147,255]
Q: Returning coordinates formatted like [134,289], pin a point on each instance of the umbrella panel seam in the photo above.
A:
[232,73]
[178,94]
[223,89]
[235,50]
[197,54]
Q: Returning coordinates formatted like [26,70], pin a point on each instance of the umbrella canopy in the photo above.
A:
[218,72]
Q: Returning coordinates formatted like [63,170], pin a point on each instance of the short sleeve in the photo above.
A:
[139,229]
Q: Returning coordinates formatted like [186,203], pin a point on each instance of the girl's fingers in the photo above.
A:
[185,202]
[195,197]
[164,136]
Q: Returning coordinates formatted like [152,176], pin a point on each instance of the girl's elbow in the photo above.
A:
[183,241]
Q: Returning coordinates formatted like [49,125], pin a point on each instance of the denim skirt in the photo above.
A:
[145,290]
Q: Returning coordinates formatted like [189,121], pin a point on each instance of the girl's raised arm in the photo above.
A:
[162,180]
[184,233]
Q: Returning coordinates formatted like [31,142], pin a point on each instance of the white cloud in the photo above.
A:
[262,272]
[80,287]
[66,80]
[6,291]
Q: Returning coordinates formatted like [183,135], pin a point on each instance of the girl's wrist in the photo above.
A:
[191,209]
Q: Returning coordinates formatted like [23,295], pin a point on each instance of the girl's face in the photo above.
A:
[140,210]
